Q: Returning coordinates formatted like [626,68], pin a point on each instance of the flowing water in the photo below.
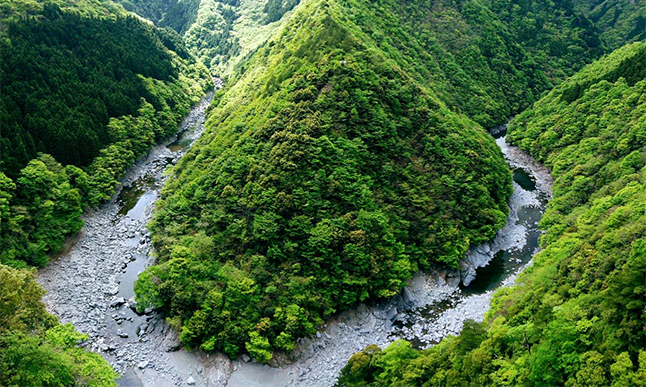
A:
[92,285]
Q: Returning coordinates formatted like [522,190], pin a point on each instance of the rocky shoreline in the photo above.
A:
[91,285]
[433,306]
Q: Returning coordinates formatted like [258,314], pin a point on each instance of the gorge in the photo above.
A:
[305,192]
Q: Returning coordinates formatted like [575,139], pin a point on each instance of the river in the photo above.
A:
[91,285]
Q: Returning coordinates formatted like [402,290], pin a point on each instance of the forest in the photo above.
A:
[347,151]
[337,171]
[86,90]
[576,316]
[620,22]
[336,181]
[82,98]
[35,349]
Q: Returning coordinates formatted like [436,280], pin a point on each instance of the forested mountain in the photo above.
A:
[328,175]
[576,317]
[244,194]
[558,37]
[19,9]
[346,153]
[221,33]
[85,89]
[153,10]
[94,91]
[528,45]
[621,21]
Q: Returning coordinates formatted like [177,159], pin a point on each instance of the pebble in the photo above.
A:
[100,255]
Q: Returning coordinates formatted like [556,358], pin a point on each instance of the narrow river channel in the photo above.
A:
[91,285]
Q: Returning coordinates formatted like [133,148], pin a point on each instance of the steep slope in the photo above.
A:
[18,9]
[576,317]
[36,350]
[327,176]
[221,33]
[620,21]
[488,59]
[560,39]
[95,87]
[95,90]
[153,10]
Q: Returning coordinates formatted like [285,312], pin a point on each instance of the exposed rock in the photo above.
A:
[477,257]
[118,302]
[77,285]
[170,341]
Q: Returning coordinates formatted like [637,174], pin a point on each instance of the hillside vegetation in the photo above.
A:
[327,176]
[621,21]
[93,92]
[576,317]
[35,349]
[222,33]
[560,38]
[86,89]
[153,10]
[489,59]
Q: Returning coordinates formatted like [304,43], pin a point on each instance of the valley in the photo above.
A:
[114,247]
[322,193]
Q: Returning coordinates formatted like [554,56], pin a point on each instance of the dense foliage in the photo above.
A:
[461,50]
[620,21]
[210,37]
[487,59]
[153,10]
[222,33]
[36,350]
[576,317]
[559,38]
[93,92]
[65,75]
[19,9]
[181,15]
[275,9]
[327,176]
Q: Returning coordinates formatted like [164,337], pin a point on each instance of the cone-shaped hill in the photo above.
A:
[328,175]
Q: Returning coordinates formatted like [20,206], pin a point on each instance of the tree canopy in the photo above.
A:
[576,317]
[326,177]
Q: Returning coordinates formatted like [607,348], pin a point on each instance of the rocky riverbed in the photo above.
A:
[433,306]
[91,285]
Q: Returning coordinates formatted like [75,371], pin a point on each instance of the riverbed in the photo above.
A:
[91,285]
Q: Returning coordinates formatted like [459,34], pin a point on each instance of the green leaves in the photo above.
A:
[35,350]
[258,347]
[87,111]
[576,317]
[327,176]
